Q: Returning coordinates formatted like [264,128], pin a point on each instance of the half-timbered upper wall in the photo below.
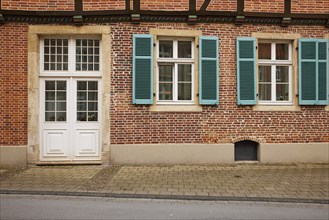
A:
[218,5]
[275,6]
[90,5]
[38,5]
[165,5]
[267,6]
[310,6]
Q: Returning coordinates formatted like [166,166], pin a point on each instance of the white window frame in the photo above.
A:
[273,63]
[71,72]
[174,62]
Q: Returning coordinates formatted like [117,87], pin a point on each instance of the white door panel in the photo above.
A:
[55,143]
[87,142]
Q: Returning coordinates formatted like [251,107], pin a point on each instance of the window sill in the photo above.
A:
[276,108]
[175,108]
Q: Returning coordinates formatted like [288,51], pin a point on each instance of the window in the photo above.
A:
[178,83]
[70,55]
[175,71]
[274,73]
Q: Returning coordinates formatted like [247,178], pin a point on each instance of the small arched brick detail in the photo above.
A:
[248,138]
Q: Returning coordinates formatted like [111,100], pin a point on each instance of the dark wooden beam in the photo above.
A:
[0,4]
[204,6]
[287,8]
[240,7]
[192,6]
[78,5]
[137,6]
[127,5]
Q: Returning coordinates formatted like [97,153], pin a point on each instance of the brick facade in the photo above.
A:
[310,6]
[40,5]
[136,124]
[264,6]
[103,5]
[13,89]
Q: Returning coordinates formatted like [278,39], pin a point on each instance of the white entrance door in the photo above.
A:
[70,119]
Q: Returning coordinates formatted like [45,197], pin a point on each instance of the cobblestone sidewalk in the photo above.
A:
[295,181]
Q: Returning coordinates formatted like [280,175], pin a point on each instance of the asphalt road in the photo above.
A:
[65,207]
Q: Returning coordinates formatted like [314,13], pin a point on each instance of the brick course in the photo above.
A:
[218,5]
[103,5]
[310,6]
[41,5]
[264,6]
[13,81]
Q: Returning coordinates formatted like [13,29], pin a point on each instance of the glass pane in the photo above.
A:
[78,42]
[282,92]
[82,106]
[59,66]
[184,72]
[59,50]
[84,66]
[92,85]
[61,106]
[52,50]
[52,58]
[96,43]
[92,96]
[282,74]
[96,59]
[84,59]
[50,95]
[46,66]
[59,58]
[61,116]
[46,58]
[92,106]
[264,51]
[78,59]
[50,85]
[53,42]
[50,116]
[265,92]
[61,95]
[184,91]
[184,49]
[82,96]
[46,42]
[264,73]
[52,66]
[65,66]
[81,116]
[165,49]
[82,85]
[165,91]
[84,42]
[92,116]
[165,73]
[50,106]
[96,67]
[282,51]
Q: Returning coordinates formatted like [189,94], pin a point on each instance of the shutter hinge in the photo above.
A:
[256,48]
[154,45]
[297,48]
[197,94]
[197,46]
[154,94]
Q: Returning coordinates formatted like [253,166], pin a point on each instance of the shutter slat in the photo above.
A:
[313,72]
[246,71]
[208,71]
[142,69]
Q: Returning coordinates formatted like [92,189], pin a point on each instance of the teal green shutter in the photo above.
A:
[313,72]
[246,70]
[208,71]
[142,69]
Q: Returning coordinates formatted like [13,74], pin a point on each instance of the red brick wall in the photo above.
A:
[310,6]
[218,5]
[42,5]
[103,5]
[264,6]
[165,5]
[13,84]
[134,124]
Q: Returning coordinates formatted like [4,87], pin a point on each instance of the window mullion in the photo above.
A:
[175,82]
[273,83]
[71,55]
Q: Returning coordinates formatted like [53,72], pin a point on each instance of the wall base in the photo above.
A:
[13,156]
[172,154]
[216,153]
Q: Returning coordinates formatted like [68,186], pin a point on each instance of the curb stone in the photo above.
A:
[168,197]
